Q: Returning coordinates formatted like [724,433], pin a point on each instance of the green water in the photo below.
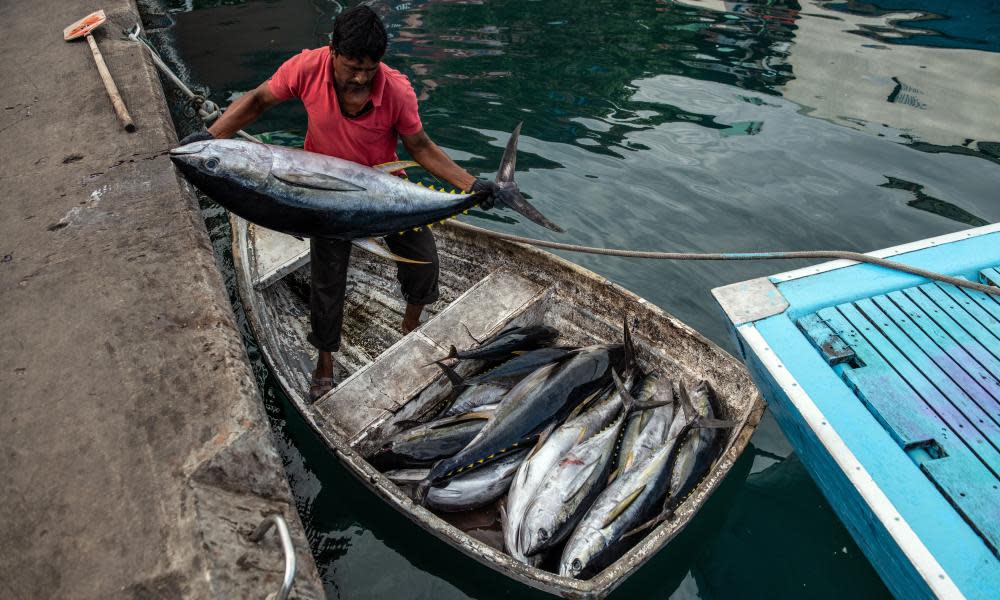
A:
[694,126]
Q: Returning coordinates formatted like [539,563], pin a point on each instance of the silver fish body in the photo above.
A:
[540,462]
[476,488]
[546,394]
[621,507]
[313,195]
[695,455]
[424,443]
[638,493]
[522,364]
[570,487]
[647,430]
[474,397]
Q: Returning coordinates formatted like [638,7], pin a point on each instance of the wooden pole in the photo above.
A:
[109,85]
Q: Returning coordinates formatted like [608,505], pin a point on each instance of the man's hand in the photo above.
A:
[486,187]
[198,136]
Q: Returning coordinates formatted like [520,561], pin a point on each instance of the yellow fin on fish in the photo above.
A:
[396,165]
[376,248]
[613,476]
[622,506]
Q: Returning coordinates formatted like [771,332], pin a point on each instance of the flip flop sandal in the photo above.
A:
[320,386]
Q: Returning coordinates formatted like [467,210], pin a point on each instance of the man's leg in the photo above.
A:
[419,282]
[328,260]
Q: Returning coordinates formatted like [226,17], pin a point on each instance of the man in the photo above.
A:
[357,106]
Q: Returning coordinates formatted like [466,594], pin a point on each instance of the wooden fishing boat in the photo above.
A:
[486,285]
[889,387]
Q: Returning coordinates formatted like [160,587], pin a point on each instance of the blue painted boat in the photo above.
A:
[888,386]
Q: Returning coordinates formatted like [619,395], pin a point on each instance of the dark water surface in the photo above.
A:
[668,125]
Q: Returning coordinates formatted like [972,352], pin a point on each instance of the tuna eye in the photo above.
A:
[212,164]
[543,534]
[576,564]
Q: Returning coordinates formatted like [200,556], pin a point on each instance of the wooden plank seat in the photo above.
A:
[375,392]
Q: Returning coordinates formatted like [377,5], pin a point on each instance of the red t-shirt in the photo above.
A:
[369,139]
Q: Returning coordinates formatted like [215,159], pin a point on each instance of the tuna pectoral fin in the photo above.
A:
[455,379]
[376,248]
[299,177]
[650,404]
[396,165]
[578,482]
[622,506]
[645,526]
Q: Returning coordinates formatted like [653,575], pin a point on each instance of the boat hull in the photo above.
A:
[599,306]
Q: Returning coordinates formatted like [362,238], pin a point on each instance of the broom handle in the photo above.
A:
[109,84]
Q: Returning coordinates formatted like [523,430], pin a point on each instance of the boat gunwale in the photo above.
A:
[610,577]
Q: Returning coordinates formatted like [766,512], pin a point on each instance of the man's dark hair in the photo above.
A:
[358,33]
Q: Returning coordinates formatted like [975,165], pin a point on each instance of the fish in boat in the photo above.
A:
[646,429]
[307,194]
[544,396]
[507,342]
[468,397]
[543,457]
[476,396]
[582,305]
[432,441]
[571,486]
[477,488]
[695,454]
[628,502]
[522,364]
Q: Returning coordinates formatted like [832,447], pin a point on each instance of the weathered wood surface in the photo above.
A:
[990,276]
[376,391]
[925,364]
[283,255]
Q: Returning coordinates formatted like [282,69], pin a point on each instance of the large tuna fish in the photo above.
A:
[476,488]
[542,459]
[431,441]
[638,493]
[504,344]
[546,395]
[573,483]
[313,195]
[522,364]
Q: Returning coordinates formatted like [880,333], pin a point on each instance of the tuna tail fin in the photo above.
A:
[455,379]
[452,353]
[627,400]
[630,363]
[420,493]
[507,191]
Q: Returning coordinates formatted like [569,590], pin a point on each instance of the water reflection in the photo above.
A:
[671,125]
[939,94]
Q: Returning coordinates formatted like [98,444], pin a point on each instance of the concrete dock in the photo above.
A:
[135,452]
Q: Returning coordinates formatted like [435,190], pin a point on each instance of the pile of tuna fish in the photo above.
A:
[581,447]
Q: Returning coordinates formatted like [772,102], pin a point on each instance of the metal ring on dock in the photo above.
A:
[286,546]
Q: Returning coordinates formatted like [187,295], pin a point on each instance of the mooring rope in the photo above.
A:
[829,254]
[207,110]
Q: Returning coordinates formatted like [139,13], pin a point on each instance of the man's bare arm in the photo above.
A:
[244,111]
[432,157]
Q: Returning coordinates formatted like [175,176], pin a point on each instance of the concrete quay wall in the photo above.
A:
[134,449]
